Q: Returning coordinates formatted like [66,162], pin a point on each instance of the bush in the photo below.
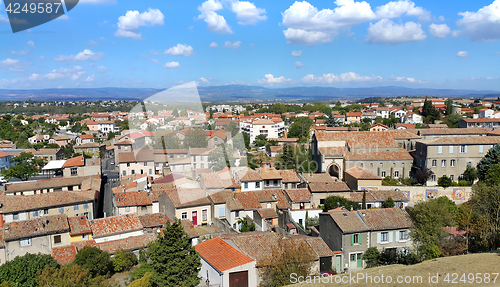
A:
[124,260]
[141,271]
[445,181]
[463,183]
[429,251]
[410,259]
[372,257]
[95,260]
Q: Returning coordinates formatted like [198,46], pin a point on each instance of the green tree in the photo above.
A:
[245,226]
[363,202]
[300,127]
[98,262]
[429,112]
[24,166]
[492,157]
[69,275]
[124,260]
[335,201]
[174,260]
[260,140]
[372,257]
[470,174]
[195,138]
[422,175]
[23,269]
[220,157]
[142,282]
[63,123]
[389,203]
[246,139]
[445,181]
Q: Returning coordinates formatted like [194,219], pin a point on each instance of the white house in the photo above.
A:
[268,128]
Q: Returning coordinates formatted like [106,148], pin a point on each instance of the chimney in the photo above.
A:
[1,220]
[352,208]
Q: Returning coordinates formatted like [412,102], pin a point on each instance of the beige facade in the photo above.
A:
[396,168]
[39,244]
[70,210]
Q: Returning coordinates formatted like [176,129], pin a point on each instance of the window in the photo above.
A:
[443,163]
[396,174]
[222,212]
[145,163]
[128,164]
[25,242]
[402,235]
[184,215]
[74,171]
[124,173]
[57,239]
[202,165]
[142,171]
[35,213]
[144,208]
[383,174]
[127,209]
[362,165]
[257,184]
[469,163]
[204,215]
[16,216]
[61,209]
[246,184]
[85,206]
[384,237]
[75,207]
[353,257]
[480,149]
[150,171]
[433,178]
[452,177]
[463,149]
[45,211]
[355,239]
[85,236]
[237,214]
[434,163]
[440,149]
[132,172]
[452,163]
[451,149]
[371,164]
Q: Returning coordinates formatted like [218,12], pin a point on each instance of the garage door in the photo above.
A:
[238,279]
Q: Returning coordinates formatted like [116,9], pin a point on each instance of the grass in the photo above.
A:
[464,264]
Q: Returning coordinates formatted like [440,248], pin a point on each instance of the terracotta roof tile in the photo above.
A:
[461,140]
[385,218]
[221,255]
[131,243]
[362,174]
[272,195]
[79,225]
[74,162]
[64,255]
[400,154]
[12,203]
[51,224]
[269,173]
[115,224]
[153,220]
[298,195]
[335,186]
[267,213]
[80,244]
[348,221]
[247,200]
[249,175]
[132,198]
[187,197]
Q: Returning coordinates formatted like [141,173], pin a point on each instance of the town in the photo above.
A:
[344,185]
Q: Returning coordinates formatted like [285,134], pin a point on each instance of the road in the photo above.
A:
[111,179]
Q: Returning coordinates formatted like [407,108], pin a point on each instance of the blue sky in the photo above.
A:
[343,43]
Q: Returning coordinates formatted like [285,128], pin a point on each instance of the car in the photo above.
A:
[2,180]
[262,148]
[112,162]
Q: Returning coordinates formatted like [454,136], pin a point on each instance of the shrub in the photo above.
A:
[95,260]
[372,257]
[124,260]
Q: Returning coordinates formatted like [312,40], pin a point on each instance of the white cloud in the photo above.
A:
[31,43]
[248,13]
[102,69]
[34,77]
[41,57]
[441,18]
[128,25]
[92,43]
[299,36]
[13,65]
[463,54]
[387,32]
[155,61]
[171,65]
[270,79]
[395,9]
[213,45]
[341,78]
[154,52]
[234,45]
[20,53]
[58,74]
[204,81]
[86,55]
[483,25]
[216,23]
[297,53]
[439,31]
[90,79]
[299,65]
[180,50]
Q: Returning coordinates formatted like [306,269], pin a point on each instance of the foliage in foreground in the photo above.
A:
[22,271]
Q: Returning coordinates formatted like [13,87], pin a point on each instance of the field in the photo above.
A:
[473,266]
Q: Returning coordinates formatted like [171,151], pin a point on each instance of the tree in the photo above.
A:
[245,226]
[363,201]
[429,112]
[445,181]
[23,269]
[174,260]
[389,203]
[288,256]
[69,275]
[124,260]
[25,166]
[260,140]
[470,174]
[493,175]
[246,139]
[195,138]
[111,135]
[142,282]
[422,175]
[63,123]
[98,262]
[220,157]
[300,127]
[372,257]
[492,157]
[335,201]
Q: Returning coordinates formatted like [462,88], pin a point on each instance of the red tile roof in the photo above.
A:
[221,255]
[115,224]
[79,225]
[385,218]
[131,243]
[64,255]
[400,154]
[298,195]
[74,162]
[36,227]
[84,137]
[80,244]
[132,198]
[153,220]
[363,174]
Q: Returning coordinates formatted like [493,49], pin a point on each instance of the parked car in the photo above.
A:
[112,162]
[2,180]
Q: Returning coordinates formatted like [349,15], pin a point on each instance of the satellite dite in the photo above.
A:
[187,131]
[26,14]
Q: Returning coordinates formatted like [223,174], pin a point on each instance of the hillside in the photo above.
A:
[471,263]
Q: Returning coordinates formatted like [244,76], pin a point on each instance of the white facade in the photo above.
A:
[263,127]
[251,185]
[299,216]
[106,127]
[118,236]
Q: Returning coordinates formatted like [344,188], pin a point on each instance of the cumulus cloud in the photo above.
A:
[90,79]
[299,65]
[102,69]
[180,50]
[155,61]
[171,65]
[248,13]
[213,45]
[204,81]
[128,25]
[234,45]
[270,79]
[395,9]
[31,43]
[58,74]
[20,53]
[297,53]
[86,55]
[344,77]
[387,32]
[216,23]
[483,25]
[92,43]
[13,65]
[439,31]
[463,54]
[300,36]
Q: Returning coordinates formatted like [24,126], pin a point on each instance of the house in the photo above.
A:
[224,265]
[59,140]
[379,128]
[48,154]
[250,180]
[450,156]
[376,198]
[38,235]
[289,179]
[322,185]
[79,229]
[5,160]
[479,123]
[301,203]
[153,222]
[353,232]
[136,202]
[438,133]
[84,139]
[133,244]
[265,127]
[116,227]
[65,254]
[93,150]
[122,146]
[353,117]
[140,163]
[53,185]
[233,206]
[105,127]
[192,204]
[199,157]
[271,177]
[219,137]
[38,138]
[358,178]
[403,126]
[80,166]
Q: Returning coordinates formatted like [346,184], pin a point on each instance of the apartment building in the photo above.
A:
[450,156]
[479,123]
[268,128]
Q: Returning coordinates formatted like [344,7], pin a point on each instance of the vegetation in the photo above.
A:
[174,260]
[445,181]
[335,201]
[23,167]
[123,260]
[372,257]
[245,226]
[220,157]
[22,271]
[69,275]
[389,203]
[491,158]
[95,260]
[300,127]
[297,158]
[429,112]
[195,138]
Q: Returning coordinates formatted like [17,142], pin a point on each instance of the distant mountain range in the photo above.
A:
[239,93]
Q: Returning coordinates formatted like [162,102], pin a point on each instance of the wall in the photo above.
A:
[458,194]
[118,236]
[213,275]
[251,186]
[252,273]
[41,244]
[198,209]
[68,210]
[76,238]
[299,215]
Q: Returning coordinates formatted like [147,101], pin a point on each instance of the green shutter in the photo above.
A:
[352,239]
[360,238]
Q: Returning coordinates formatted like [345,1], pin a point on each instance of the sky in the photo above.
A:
[160,44]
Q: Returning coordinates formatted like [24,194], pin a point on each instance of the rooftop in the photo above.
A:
[128,244]
[36,227]
[115,224]
[221,255]
[79,225]
[362,174]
